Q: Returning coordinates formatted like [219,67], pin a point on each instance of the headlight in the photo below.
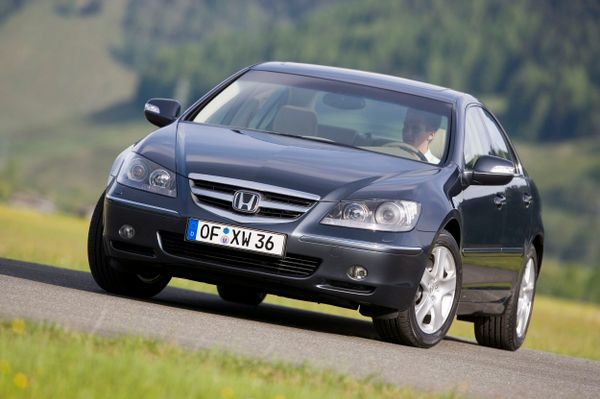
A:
[141,173]
[375,215]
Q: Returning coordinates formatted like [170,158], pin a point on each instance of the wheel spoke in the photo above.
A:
[448,264]
[427,278]
[520,309]
[423,310]
[447,287]
[437,262]
[525,298]
[438,286]
[437,319]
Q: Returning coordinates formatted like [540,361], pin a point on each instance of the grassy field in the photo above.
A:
[559,326]
[42,361]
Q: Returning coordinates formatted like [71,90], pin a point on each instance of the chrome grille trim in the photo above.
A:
[277,204]
[252,185]
[263,203]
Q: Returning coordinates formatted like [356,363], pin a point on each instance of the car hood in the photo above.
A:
[329,171]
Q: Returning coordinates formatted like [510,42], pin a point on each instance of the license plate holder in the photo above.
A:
[236,237]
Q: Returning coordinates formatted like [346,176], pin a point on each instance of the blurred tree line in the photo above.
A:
[542,55]
[8,7]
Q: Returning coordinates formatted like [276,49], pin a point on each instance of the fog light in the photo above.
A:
[127,232]
[357,273]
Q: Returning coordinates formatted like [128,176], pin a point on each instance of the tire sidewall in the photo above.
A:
[109,278]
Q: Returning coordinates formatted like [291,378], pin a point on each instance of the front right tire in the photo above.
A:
[142,285]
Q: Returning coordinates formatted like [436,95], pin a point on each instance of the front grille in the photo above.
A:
[291,265]
[216,193]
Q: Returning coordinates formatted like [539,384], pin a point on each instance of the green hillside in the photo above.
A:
[57,66]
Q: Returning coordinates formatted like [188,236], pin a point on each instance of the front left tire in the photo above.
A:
[427,320]
[142,285]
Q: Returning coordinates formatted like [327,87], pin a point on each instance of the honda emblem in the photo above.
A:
[245,201]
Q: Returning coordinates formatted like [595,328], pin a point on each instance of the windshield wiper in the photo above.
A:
[311,138]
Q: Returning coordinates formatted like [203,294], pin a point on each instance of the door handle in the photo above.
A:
[527,199]
[500,200]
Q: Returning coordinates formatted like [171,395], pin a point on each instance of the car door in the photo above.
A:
[483,208]
[518,197]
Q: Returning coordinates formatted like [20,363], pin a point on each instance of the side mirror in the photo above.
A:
[490,170]
[161,111]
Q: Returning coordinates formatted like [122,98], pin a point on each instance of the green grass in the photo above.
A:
[49,239]
[43,361]
[559,326]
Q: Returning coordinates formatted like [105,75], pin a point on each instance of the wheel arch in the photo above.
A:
[538,244]
[453,226]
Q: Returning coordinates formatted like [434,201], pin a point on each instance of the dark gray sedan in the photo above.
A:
[403,200]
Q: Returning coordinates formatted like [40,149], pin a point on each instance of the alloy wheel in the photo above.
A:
[436,291]
[525,297]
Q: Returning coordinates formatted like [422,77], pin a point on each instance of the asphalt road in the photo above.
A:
[199,320]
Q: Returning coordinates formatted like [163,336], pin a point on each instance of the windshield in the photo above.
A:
[340,113]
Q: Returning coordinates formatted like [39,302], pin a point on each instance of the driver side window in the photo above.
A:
[483,137]
[498,142]
[477,142]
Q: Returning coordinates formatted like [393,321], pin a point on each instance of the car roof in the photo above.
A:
[369,79]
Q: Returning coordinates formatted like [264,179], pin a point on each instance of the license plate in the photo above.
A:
[241,238]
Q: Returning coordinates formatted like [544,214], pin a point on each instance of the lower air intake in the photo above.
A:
[291,265]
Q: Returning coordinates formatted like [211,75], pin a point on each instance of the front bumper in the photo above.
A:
[395,261]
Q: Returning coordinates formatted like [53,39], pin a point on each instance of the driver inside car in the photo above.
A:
[419,131]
